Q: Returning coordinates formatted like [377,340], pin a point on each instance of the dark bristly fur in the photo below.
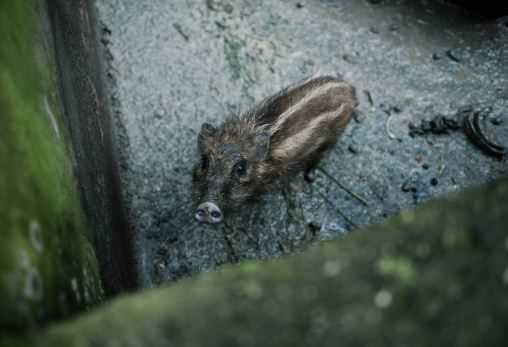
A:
[284,133]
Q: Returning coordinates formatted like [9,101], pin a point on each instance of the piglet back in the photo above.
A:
[305,119]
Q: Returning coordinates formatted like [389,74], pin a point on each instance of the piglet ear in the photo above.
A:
[207,131]
[262,141]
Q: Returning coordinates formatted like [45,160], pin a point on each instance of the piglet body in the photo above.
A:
[285,133]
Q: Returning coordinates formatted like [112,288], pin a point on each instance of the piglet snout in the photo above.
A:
[208,212]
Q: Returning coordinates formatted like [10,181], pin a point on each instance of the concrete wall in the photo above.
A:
[48,267]
[75,31]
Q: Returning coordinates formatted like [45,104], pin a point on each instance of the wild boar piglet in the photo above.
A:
[282,134]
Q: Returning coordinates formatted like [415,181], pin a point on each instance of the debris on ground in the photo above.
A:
[476,134]
[471,120]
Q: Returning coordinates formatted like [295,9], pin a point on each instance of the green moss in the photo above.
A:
[232,53]
[401,268]
[43,239]
[250,267]
[348,292]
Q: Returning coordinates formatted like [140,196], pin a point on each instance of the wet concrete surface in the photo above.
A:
[173,65]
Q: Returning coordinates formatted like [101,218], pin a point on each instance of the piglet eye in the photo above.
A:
[240,168]
[204,162]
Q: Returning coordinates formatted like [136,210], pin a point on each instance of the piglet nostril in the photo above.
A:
[215,214]
[200,215]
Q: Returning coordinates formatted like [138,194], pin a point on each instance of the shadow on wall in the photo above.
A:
[87,117]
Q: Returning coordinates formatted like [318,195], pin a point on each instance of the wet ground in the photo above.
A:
[175,64]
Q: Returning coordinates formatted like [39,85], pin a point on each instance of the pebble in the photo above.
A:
[347,58]
[353,149]
[496,120]
[159,113]
[358,117]
[228,8]
[408,186]
[450,54]
[314,226]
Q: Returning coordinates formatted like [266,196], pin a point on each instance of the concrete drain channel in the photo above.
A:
[172,67]
[131,82]
[136,70]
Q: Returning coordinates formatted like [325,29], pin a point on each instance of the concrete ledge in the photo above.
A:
[436,276]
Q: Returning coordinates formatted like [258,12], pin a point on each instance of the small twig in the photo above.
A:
[369,97]
[358,197]
[328,201]
[441,168]
[179,29]
[388,129]
[233,257]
